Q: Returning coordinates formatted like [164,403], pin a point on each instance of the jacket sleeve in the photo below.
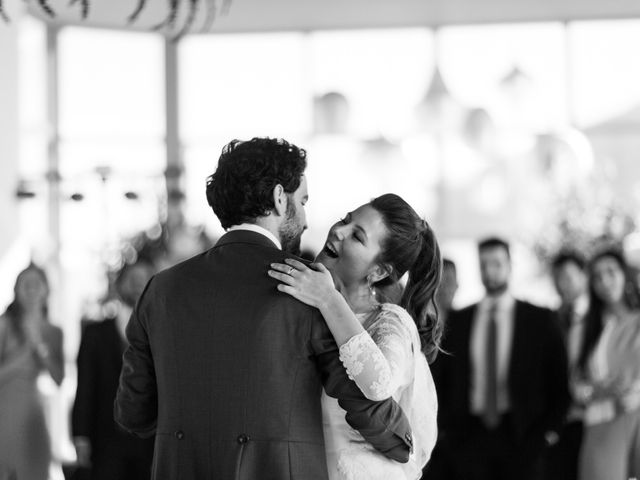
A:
[382,423]
[136,403]
[555,380]
[441,372]
[83,413]
[557,375]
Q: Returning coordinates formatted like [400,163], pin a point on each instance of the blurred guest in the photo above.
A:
[100,443]
[503,390]
[440,466]
[570,279]
[448,288]
[29,345]
[609,369]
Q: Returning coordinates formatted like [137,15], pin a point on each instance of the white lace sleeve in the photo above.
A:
[378,360]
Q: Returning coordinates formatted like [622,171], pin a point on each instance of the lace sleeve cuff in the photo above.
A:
[367,366]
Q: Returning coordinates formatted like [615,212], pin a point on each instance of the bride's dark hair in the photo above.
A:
[411,245]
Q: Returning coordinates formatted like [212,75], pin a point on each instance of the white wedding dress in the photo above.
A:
[384,361]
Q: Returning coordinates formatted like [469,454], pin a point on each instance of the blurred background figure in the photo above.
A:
[570,280]
[102,448]
[447,289]
[609,371]
[440,465]
[29,345]
[503,390]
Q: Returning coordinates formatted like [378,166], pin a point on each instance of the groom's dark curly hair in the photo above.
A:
[241,188]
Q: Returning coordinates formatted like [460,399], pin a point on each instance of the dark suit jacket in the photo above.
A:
[99,364]
[537,378]
[227,372]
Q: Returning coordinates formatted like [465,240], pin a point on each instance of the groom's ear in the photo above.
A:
[280,200]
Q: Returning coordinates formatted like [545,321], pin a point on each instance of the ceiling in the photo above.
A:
[283,15]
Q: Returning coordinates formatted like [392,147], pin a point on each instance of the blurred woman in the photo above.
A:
[609,371]
[29,344]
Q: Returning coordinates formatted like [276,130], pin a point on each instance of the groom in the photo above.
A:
[224,369]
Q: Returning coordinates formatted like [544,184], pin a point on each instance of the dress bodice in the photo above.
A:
[384,361]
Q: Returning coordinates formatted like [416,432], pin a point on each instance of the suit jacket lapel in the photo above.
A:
[466,351]
[518,340]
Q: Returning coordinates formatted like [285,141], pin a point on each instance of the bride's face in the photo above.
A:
[353,245]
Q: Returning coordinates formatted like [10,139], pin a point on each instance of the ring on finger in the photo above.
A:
[290,270]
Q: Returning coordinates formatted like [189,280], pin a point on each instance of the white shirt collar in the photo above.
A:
[503,301]
[252,227]
[581,305]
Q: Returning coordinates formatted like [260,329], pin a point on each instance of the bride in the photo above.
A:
[385,333]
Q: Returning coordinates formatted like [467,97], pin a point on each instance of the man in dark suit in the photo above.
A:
[100,444]
[503,388]
[224,369]
[571,282]
[440,466]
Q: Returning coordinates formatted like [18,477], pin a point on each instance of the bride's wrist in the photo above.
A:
[332,302]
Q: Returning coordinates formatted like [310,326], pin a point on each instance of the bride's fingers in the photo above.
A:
[295,264]
[283,277]
[281,267]
[319,267]
[287,289]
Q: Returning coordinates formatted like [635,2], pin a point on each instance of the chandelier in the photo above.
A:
[169,24]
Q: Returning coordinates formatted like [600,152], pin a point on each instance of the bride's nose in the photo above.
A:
[338,233]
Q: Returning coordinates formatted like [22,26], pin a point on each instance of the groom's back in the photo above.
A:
[238,389]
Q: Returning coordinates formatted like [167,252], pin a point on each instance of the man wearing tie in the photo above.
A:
[571,282]
[503,388]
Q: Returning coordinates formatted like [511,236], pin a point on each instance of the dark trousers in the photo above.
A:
[492,454]
[562,458]
[440,466]
[123,461]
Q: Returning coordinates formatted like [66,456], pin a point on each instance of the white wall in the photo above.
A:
[8,130]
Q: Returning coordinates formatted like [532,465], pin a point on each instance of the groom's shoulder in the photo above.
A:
[179,272]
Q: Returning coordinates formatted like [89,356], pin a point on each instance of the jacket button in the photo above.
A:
[243,439]
[179,434]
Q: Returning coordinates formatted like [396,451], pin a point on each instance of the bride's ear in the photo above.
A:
[380,272]
[280,200]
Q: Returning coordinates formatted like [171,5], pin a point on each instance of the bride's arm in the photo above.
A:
[378,361]
[375,364]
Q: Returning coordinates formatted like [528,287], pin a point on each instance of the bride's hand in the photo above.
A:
[313,286]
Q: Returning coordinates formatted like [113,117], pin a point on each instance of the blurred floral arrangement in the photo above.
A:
[169,22]
[162,246]
[586,224]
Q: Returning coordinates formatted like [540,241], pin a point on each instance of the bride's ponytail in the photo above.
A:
[411,246]
[419,294]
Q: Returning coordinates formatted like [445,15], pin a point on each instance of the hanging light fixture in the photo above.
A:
[434,110]
[168,24]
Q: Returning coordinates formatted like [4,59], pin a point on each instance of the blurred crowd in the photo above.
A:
[31,345]
[524,391]
[530,393]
